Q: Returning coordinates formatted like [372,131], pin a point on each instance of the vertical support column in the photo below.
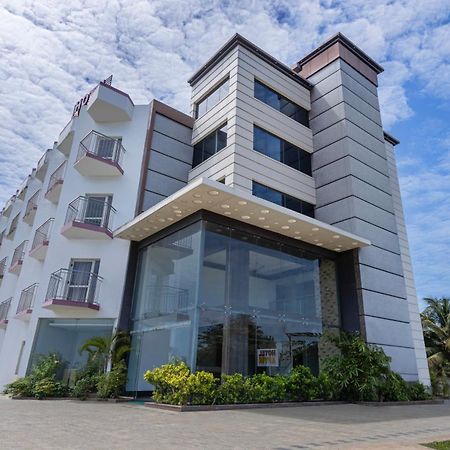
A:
[353,192]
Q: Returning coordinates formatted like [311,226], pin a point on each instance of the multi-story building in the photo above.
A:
[232,237]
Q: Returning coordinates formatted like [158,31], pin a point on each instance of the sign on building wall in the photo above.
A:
[267,357]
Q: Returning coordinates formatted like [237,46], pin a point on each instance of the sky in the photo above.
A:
[53,52]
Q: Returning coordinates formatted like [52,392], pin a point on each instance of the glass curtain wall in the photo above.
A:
[225,301]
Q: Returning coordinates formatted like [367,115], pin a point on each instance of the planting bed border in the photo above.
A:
[89,399]
[436,401]
[189,408]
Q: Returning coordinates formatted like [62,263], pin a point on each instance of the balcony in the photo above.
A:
[26,302]
[30,210]
[69,289]
[13,228]
[2,236]
[107,104]
[6,211]
[4,309]
[42,166]
[23,188]
[41,240]
[100,156]
[55,184]
[65,139]
[89,218]
[17,259]
[3,267]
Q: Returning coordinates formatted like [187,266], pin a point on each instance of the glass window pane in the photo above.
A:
[266,143]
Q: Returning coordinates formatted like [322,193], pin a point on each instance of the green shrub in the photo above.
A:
[86,380]
[263,388]
[40,382]
[110,384]
[356,374]
[393,388]
[325,386]
[22,387]
[170,382]
[202,387]
[417,391]
[302,385]
[48,387]
[232,389]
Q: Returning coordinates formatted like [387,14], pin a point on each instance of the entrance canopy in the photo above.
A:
[210,195]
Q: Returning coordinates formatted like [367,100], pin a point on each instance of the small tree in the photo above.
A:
[436,332]
[107,351]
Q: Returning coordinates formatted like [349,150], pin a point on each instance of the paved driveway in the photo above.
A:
[66,424]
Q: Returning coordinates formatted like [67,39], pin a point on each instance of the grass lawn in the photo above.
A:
[442,445]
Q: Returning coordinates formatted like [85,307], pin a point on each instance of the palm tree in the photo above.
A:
[107,350]
[436,331]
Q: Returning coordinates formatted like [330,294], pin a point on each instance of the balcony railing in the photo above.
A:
[4,309]
[19,254]
[55,182]
[92,212]
[3,267]
[41,240]
[2,236]
[74,288]
[103,147]
[30,210]
[165,300]
[26,301]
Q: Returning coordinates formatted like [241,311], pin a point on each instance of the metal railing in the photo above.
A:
[26,300]
[91,211]
[42,234]
[4,309]
[32,204]
[102,146]
[3,267]
[165,300]
[2,235]
[57,176]
[74,286]
[19,254]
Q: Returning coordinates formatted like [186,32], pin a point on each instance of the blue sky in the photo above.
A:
[52,52]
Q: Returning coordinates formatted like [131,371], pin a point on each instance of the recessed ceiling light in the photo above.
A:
[155,227]
[275,223]
[170,219]
[161,220]
[266,226]
[132,235]
[225,206]
[197,195]
[292,221]
[261,218]
[285,227]
[146,228]
[316,240]
[315,229]
[319,244]
[245,217]
[213,192]
[337,249]
[296,232]
[198,202]
[174,207]
[354,243]
[265,211]
[242,202]
[340,245]
[178,211]
[227,213]
[336,236]
[297,237]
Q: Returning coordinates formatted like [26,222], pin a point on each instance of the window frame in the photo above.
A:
[205,97]
[216,141]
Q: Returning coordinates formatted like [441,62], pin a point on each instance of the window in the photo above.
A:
[211,100]
[97,209]
[106,146]
[281,103]
[279,198]
[210,145]
[82,280]
[280,150]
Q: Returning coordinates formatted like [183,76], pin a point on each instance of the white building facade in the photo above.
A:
[267,216]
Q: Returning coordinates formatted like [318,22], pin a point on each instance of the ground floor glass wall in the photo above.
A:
[228,301]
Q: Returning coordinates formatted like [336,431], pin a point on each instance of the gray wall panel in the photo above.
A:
[162,184]
[174,129]
[398,334]
[170,166]
[172,147]
[381,281]
[380,305]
